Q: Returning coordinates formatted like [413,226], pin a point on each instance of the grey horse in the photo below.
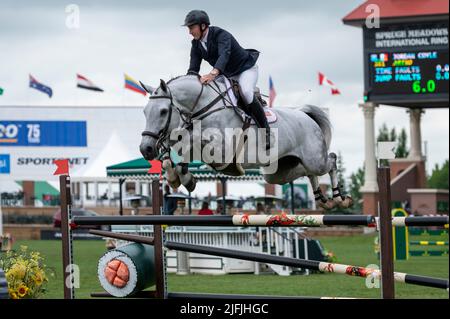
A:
[301,137]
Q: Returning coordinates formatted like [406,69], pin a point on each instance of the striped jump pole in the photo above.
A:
[428,243]
[195,295]
[280,220]
[190,295]
[420,221]
[286,261]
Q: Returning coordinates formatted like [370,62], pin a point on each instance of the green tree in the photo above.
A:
[356,182]
[439,176]
[383,134]
[341,172]
[402,148]
[386,135]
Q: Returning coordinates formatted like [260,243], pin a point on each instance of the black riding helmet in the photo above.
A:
[196,17]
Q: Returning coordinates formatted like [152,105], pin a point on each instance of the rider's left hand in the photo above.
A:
[207,78]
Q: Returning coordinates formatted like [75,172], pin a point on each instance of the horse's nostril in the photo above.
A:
[149,149]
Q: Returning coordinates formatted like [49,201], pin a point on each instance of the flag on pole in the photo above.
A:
[133,85]
[62,167]
[84,83]
[323,80]
[155,168]
[40,87]
[272,92]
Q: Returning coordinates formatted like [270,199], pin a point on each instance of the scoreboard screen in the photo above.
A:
[407,65]
[409,72]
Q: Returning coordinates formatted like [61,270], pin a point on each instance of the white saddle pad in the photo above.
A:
[270,115]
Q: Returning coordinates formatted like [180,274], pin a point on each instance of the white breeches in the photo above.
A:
[247,80]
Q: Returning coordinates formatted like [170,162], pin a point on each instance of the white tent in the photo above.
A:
[113,152]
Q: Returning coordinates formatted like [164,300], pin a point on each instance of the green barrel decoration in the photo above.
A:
[126,270]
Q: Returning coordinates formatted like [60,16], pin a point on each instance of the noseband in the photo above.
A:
[162,134]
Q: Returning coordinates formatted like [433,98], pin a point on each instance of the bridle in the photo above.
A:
[187,117]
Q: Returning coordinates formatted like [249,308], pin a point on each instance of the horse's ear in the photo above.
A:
[163,86]
[149,89]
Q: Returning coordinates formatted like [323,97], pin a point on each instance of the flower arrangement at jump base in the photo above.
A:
[330,256]
[25,273]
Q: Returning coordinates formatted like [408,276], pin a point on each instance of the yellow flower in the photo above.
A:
[13,295]
[18,271]
[25,273]
[38,278]
[22,291]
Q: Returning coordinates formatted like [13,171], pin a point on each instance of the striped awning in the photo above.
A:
[137,169]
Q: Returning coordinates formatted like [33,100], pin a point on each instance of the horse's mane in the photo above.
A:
[184,75]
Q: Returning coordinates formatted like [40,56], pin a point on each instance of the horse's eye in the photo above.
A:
[163,112]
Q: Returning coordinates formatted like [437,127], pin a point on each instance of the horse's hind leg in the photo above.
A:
[321,200]
[338,198]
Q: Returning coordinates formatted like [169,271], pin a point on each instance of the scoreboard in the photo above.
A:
[407,65]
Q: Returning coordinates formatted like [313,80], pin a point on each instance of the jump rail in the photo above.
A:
[384,226]
[284,261]
[281,220]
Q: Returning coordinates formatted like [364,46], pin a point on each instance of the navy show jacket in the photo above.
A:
[224,53]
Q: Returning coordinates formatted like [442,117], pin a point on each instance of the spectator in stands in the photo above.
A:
[219,210]
[205,209]
[260,210]
[169,204]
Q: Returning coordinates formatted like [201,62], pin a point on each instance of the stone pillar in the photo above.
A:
[82,194]
[415,134]
[269,189]
[370,188]
[96,191]
[110,193]
[137,187]
[28,193]
[219,190]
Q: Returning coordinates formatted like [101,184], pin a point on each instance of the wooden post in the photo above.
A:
[121,181]
[385,233]
[291,184]
[223,180]
[66,235]
[160,267]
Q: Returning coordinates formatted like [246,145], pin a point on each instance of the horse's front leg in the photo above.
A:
[187,179]
[171,175]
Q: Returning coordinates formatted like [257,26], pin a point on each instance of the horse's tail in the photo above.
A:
[321,118]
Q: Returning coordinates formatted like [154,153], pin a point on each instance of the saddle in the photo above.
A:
[236,99]
[235,95]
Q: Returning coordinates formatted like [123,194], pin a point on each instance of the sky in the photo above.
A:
[145,40]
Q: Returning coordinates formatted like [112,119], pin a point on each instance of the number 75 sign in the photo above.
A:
[43,133]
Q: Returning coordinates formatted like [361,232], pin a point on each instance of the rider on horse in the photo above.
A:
[221,50]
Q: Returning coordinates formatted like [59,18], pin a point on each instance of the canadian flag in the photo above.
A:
[323,80]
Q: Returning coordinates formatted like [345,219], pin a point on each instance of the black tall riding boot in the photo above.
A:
[256,111]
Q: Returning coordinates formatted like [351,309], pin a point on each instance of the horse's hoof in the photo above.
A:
[171,175]
[346,203]
[173,183]
[329,204]
[190,185]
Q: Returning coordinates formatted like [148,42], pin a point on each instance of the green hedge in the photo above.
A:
[21,219]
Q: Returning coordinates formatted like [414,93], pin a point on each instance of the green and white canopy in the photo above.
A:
[137,169]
